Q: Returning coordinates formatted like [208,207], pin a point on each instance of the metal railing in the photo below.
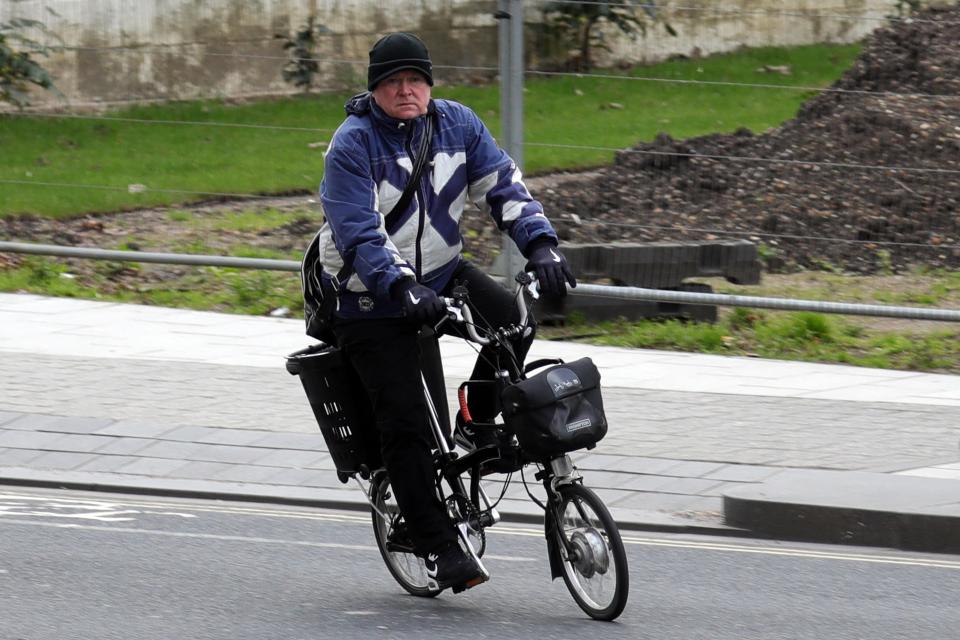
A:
[594,290]
[144,256]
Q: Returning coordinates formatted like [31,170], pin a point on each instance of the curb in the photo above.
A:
[342,499]
[851,507]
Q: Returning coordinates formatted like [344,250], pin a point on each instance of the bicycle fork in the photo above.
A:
[559,549]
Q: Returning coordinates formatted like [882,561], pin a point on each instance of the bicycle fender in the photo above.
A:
[553,549]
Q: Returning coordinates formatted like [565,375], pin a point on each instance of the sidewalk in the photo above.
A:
[134,398]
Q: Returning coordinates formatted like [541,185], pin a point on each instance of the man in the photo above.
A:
[399,264]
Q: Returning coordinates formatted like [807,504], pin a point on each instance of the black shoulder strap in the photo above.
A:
[423,153]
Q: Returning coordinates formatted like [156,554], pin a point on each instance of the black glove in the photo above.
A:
[420,303]
[551,268]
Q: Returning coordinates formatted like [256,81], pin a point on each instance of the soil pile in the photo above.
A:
[866,178]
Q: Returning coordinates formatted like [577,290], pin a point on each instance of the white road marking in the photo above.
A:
[184,534]
[797,552]
[221,537]
[510,530]
[56,507]
[490,556]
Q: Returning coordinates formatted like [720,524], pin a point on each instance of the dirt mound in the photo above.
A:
[866,178]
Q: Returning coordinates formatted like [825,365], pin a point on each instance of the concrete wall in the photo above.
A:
[137,50]
[705,27]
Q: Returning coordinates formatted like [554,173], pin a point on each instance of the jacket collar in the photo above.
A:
[364,104]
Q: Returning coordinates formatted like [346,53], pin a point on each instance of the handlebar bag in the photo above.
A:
[557,410]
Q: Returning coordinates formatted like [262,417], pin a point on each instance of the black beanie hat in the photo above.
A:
[396,52]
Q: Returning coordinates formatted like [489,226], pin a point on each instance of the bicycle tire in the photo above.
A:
[597,576]
[406,568]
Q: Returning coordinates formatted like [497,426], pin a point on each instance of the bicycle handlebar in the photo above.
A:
[458,311]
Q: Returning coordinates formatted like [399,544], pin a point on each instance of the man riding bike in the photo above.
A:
[401,260]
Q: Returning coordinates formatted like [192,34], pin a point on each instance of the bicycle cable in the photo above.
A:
[492,334]
[486,333]
[503,492]
[473,345]
[523,476]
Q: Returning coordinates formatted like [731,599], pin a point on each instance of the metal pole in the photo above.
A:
[760,302]
[146,256]
[515,110]
[503,58]
[510,47]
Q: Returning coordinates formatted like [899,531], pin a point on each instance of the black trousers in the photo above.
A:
[387,356]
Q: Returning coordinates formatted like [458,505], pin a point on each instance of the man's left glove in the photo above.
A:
[551,267]
[421,304]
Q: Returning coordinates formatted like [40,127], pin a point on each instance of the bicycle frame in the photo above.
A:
[583,542]
[557,471]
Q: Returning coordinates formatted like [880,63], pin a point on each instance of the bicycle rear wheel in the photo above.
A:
[395,546]
[595,568]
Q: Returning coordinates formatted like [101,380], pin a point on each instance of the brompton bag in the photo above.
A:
[557,410]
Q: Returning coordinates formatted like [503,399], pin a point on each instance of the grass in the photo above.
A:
[816,337]
[870,342]
[203,288]
[111,156]
[801,336]
[246,220]
[917,288]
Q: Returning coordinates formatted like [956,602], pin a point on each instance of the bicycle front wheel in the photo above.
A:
[395,545]
[595,562]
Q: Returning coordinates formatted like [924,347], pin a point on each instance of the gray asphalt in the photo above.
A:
[169,401]
[101,567]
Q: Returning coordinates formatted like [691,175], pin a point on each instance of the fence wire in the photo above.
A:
[725,11]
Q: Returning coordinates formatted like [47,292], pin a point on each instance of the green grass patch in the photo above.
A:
[243,291]
[266,253]
[46,276]
[254,220]
[786,336]
[920,287]
[177,162]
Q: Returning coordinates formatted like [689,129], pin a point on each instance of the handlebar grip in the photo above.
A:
[536,364]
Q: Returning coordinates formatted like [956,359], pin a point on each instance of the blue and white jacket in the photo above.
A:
[367,166]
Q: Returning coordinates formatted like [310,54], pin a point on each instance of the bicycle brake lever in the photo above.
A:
[534,288]
[453,313]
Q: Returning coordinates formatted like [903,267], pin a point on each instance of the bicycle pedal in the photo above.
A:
[399,547]
[469,584]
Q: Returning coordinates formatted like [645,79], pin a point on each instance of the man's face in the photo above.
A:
[403,95]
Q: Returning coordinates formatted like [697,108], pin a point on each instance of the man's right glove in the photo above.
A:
[551,268]
[420,303]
